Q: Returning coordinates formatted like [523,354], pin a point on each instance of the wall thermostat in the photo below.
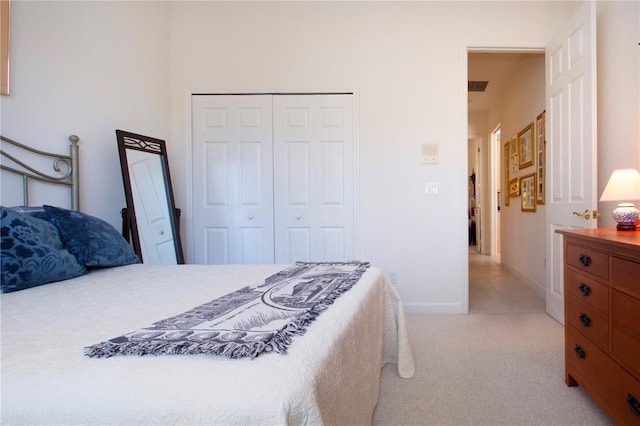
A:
[430,153]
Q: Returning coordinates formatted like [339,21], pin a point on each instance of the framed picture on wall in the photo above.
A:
[541,145]
[525,147]
[506,162]
[514,187]
[513,155]
[528,193]
[4,47]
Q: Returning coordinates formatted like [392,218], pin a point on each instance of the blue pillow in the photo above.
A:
[32,252]
[94,242]
[37,211]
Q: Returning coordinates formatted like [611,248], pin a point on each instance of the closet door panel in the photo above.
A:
[333,178]
[216,245]
[315,189]
[296,175]
[298,247]
[216,170]
[333,242]
[232,179]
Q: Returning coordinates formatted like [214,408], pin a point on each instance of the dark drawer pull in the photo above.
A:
[584,289]
[634,404]
[584,319]
[579,351]
[585,260]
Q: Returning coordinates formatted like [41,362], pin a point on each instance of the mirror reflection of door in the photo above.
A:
[151,217]
[152,209]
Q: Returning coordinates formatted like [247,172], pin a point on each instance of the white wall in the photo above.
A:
[88,68]
[618,94]
[91,67]
[407,64]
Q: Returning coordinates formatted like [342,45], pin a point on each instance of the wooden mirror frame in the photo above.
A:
[132,141]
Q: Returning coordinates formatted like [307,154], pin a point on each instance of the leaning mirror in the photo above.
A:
[151,217]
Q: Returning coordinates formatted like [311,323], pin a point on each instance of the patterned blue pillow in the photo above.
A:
[92,241]
[32,252]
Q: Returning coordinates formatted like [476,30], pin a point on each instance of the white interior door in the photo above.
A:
[232,179]
[314,179]
[152,208]
[571,141]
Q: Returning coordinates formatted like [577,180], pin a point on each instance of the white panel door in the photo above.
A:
[571,142]
[232,179]
[154,225]
[314,178]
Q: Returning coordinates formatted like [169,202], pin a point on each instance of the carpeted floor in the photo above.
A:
[484,368]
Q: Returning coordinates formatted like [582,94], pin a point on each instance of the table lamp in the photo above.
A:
[624,185]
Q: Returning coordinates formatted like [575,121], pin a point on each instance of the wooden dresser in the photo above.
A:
[602,318]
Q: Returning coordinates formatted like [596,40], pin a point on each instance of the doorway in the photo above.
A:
[499,104]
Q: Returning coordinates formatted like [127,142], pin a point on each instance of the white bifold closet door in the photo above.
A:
[273,178]
[232,179]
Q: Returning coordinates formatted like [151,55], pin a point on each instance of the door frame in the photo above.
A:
[494,152]
[491,187]
[187,156]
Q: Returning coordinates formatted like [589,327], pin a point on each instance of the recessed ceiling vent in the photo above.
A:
[477,86]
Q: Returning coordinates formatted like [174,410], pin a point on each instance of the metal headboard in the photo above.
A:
[66,167]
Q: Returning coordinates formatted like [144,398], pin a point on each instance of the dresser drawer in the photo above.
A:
[626,274]
[625,331]
[609,384]
[588,260]
[588,321]
[587,290]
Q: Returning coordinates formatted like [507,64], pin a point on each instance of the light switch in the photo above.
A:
[432,188]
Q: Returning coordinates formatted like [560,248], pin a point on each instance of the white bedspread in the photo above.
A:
[329,376]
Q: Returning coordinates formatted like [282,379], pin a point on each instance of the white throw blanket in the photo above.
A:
[245,322]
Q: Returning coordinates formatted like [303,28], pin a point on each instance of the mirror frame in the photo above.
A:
[133,141]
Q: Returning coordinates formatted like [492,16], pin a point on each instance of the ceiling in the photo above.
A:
[496,68]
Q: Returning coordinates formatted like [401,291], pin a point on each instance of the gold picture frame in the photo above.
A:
[528,193]
[514,154]
[507,166]
[4,47]
[525,147]
[541,144]
[514,187]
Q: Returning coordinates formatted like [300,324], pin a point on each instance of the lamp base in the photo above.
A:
[626,216]
[621,227]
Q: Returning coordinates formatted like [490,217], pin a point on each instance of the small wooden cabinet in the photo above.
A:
[602,318]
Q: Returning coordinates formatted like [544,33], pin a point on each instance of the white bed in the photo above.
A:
[330,375]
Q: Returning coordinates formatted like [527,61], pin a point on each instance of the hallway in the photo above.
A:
[494,289]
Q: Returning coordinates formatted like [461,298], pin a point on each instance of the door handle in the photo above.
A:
[585,214]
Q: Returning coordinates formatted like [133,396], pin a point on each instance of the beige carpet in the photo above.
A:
[485,369]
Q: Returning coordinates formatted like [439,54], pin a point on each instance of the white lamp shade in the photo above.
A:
[623,185]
